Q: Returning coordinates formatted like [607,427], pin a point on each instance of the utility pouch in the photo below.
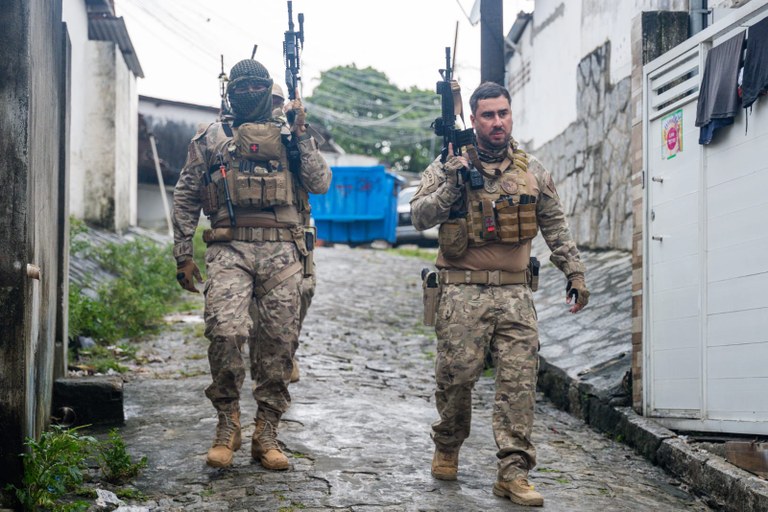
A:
[533,270]
[211,236]
[453,238]
[527,213]
[310,235]
[248,189]
[209,195]
[430,295]
[259,142]
[278,189]
[509,224]
[489,221]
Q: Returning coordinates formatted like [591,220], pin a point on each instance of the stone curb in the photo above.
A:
[725,485]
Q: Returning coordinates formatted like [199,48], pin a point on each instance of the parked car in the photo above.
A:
[406,233]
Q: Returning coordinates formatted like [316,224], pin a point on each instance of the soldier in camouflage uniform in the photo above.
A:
[251,177]
[486,300]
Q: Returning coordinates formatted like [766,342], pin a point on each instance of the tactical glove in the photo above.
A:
[452,166]
[577,288]
[185,271]
[300,119]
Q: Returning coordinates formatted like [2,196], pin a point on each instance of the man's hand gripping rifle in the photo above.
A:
[445,125]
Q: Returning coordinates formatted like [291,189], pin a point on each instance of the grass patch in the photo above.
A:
[130,304]
[56,466]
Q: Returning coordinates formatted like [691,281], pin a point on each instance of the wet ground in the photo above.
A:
[357,434]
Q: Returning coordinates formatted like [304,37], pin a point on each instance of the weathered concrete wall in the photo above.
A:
[110,144]
[32,111]
[98,157]
[589,160]
[126,142]
[76,17]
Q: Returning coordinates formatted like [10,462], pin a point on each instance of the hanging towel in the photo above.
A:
[719,98]
[755,79]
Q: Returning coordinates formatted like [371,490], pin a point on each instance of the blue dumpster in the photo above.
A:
[359,207]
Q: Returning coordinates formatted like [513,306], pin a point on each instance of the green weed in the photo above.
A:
[53,467]
[130,304]
[115,461]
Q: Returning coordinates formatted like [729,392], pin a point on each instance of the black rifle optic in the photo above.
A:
[445,125]
[293,43]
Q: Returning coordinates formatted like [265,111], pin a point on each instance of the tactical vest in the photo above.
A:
[261,187]
[502,211]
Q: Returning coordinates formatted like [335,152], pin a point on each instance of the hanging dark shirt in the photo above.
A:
[755,78]
[718,97]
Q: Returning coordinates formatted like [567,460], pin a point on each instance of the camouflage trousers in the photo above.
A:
[234,270]
[472,319]
[307,291]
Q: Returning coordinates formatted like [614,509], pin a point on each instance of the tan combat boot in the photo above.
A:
[264,447]
[227,440]
[445,464]
[295,372]
[519,491]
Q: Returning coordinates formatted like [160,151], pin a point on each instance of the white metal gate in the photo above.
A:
[705,300]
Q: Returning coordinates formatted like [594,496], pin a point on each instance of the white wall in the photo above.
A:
[98,156]
[125,144]
[561,34]
[555,35]
[76,18]
[163,112]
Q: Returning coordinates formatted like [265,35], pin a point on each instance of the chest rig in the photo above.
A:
[254,161]
[504,209]
[501,210]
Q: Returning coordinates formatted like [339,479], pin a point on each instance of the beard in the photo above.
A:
[489,145]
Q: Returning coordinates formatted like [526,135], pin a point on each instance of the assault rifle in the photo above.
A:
[445,125]
[293,43]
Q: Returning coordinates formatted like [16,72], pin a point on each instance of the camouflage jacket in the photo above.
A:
[314,176]
[432,202]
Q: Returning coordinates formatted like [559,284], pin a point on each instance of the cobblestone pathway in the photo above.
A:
[358,431]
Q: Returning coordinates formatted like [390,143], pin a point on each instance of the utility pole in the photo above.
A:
[491,41]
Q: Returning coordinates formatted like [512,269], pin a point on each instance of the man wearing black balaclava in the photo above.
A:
[251,177]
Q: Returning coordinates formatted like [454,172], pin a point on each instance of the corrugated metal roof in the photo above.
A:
[110,28]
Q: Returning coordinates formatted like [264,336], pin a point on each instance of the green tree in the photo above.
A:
[366,114]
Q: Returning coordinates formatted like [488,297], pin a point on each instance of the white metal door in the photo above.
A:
[673,240]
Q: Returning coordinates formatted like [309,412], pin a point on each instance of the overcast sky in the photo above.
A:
[180,42]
